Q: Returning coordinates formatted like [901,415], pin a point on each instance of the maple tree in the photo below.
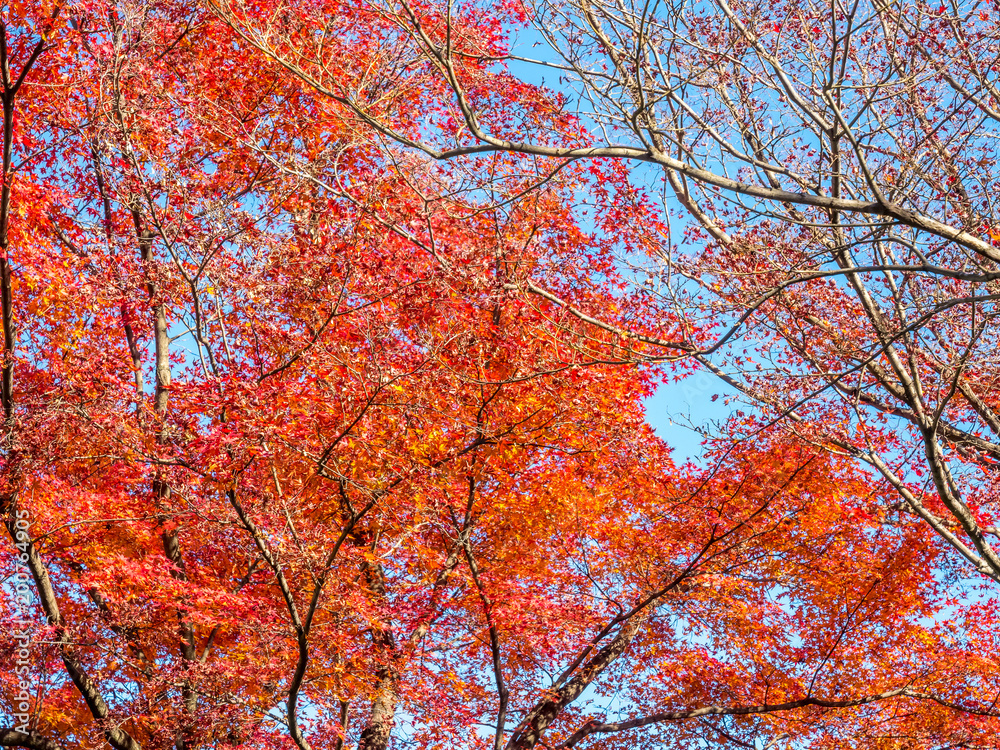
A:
[834,163]
[314,441]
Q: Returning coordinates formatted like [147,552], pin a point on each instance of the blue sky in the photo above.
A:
[678,408]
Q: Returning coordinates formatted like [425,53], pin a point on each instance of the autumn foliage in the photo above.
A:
[317,437]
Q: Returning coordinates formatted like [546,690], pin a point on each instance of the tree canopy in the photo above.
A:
[327,329]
